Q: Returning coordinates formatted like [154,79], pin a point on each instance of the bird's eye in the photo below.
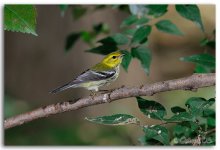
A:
[113,57]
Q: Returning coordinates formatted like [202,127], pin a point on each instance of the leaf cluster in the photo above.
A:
[193,125]
[136,30]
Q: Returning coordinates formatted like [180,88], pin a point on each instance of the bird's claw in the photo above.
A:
[92,95]
[104,91]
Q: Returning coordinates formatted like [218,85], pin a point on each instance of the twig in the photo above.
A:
[188,83]
[210,131]
[164,123]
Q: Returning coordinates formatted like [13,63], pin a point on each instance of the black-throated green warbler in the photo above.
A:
[99,75]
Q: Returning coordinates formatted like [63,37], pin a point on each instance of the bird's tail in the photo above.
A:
[62,88]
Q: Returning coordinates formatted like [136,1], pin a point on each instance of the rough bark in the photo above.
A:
[188,83]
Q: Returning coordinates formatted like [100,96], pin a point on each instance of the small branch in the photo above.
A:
[188,83]
[210,131]
[164,123]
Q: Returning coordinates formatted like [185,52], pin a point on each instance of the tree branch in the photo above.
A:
[188,83]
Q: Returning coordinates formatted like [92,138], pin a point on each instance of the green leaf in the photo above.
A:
[202,69]
[87,36]
[207,42]
[211,122]
[71,40]
[157,10]
[109,44]
[117,119]
[101,28]
[129,32]
[210,140]
[158,133]
[180,130]
[191,12]
[144,41]
[143,54]
[20,18]
[129,21]
[198,104]
[205,60]
[177,109]
[193,125]
[141,34]
[134,20]
[78,11]
[142,20]
[168,27]
[209,113]
[126,59]
[211,44]
[103,49]
[145,141]
[182,116]
[186,130]
[98,27]
[117,39]
[204,41]
[107,41]
[151,109]
[63,9]
[120,39]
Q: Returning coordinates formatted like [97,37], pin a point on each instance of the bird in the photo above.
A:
[101,74]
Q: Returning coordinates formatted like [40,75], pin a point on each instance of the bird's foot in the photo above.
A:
[104,91]
[111,90]
[92,95]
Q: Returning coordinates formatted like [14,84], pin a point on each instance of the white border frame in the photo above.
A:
[2,2]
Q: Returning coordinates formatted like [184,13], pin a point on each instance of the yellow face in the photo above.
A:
[113,59]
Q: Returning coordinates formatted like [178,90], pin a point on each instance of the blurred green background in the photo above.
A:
[36,65]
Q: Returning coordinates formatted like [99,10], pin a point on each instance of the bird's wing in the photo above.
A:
[90,75]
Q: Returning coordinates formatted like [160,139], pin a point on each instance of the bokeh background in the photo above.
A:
[34,65]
